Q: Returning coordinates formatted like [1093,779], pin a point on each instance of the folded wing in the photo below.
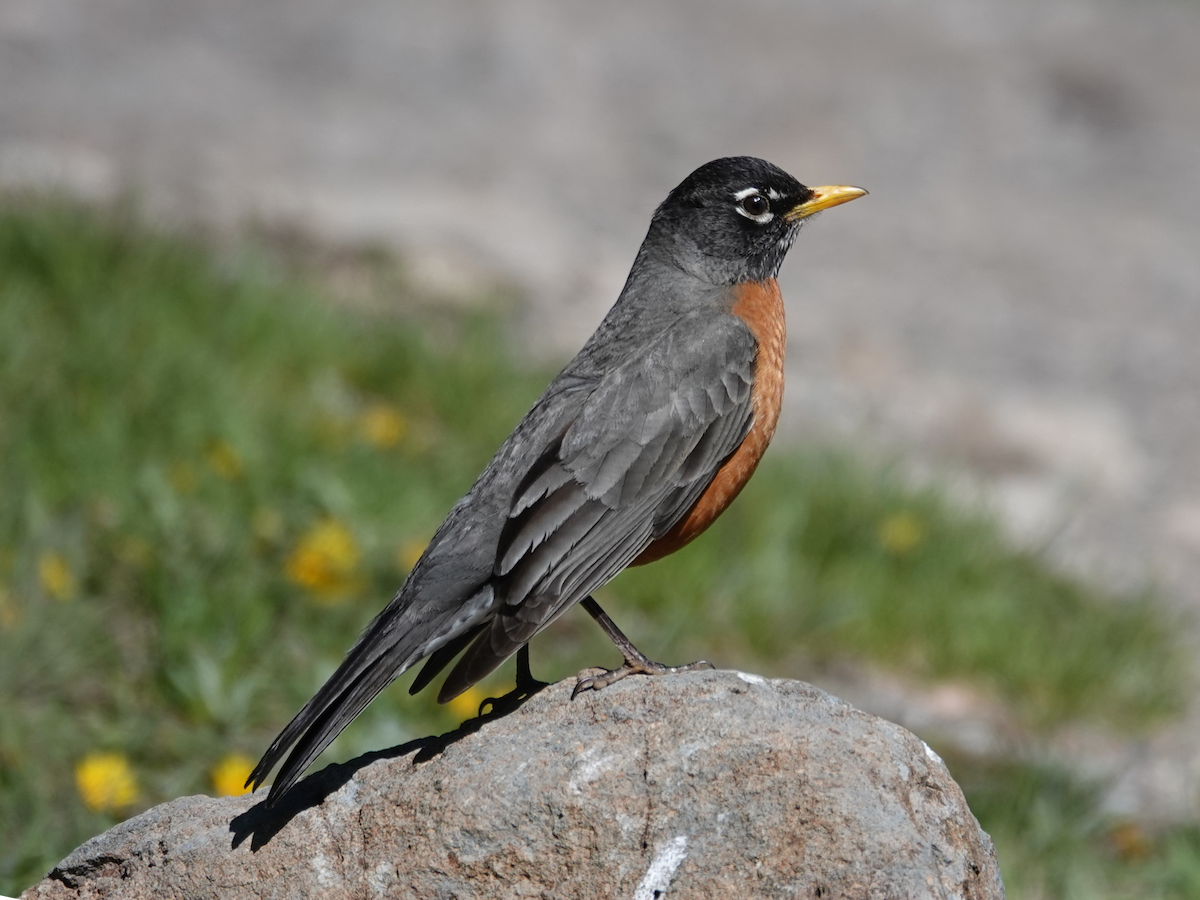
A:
[643,449]
[590,477]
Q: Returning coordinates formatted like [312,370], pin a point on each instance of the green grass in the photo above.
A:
[1052,842]
[175,418]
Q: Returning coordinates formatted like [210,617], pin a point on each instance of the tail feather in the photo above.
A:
[387,649]
[488,652]
[320,731]
[355,684]
[439,659]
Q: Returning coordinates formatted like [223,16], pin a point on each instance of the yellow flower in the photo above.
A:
[466,704]
[901,533]
[223,460]
[182,476]
[267,525]
[382,425]
[230,774]
[135,551]
[409,552]
[1130,841]
[332,431]
[325,560]
[105,782]
[10,613]
[55,575]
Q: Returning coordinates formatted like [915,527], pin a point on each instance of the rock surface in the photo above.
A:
[716,784]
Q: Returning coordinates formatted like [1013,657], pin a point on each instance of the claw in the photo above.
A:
[525,688]
[641,666]
[636,662]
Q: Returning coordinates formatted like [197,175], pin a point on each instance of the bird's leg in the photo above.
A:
[526,687]
[636,663]
[526,683]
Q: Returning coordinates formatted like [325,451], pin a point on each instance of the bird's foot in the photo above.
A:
[636,662]
[638,665]
[506,703]
[526,687]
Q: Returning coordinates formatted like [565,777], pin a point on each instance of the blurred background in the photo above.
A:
[276,278]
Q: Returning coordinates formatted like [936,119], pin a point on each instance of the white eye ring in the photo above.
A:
[746,204]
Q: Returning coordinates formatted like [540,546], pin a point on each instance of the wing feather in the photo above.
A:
[643,450]
[621,457]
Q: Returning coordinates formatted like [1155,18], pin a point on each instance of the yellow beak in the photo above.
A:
[823,198]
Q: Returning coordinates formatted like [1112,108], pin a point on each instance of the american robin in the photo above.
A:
[633,450]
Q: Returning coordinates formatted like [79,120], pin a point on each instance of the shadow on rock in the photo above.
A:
[261,823]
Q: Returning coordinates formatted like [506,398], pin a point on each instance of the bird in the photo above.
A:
[638,444]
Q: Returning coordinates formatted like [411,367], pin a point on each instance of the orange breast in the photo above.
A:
[760,306]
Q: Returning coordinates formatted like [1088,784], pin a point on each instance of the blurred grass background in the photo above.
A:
[215,468]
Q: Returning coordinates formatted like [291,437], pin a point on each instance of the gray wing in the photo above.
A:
[581,487]
[445,599]
[643,449]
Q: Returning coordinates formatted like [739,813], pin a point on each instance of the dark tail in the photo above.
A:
[357,681]
[387,649]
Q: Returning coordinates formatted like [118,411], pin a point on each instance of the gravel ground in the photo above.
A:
[1014,305]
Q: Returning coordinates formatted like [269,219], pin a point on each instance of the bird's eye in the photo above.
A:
[756,205]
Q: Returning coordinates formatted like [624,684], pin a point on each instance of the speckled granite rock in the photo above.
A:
[716,784]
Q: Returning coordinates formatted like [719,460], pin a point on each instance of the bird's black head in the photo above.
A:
[734,219]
